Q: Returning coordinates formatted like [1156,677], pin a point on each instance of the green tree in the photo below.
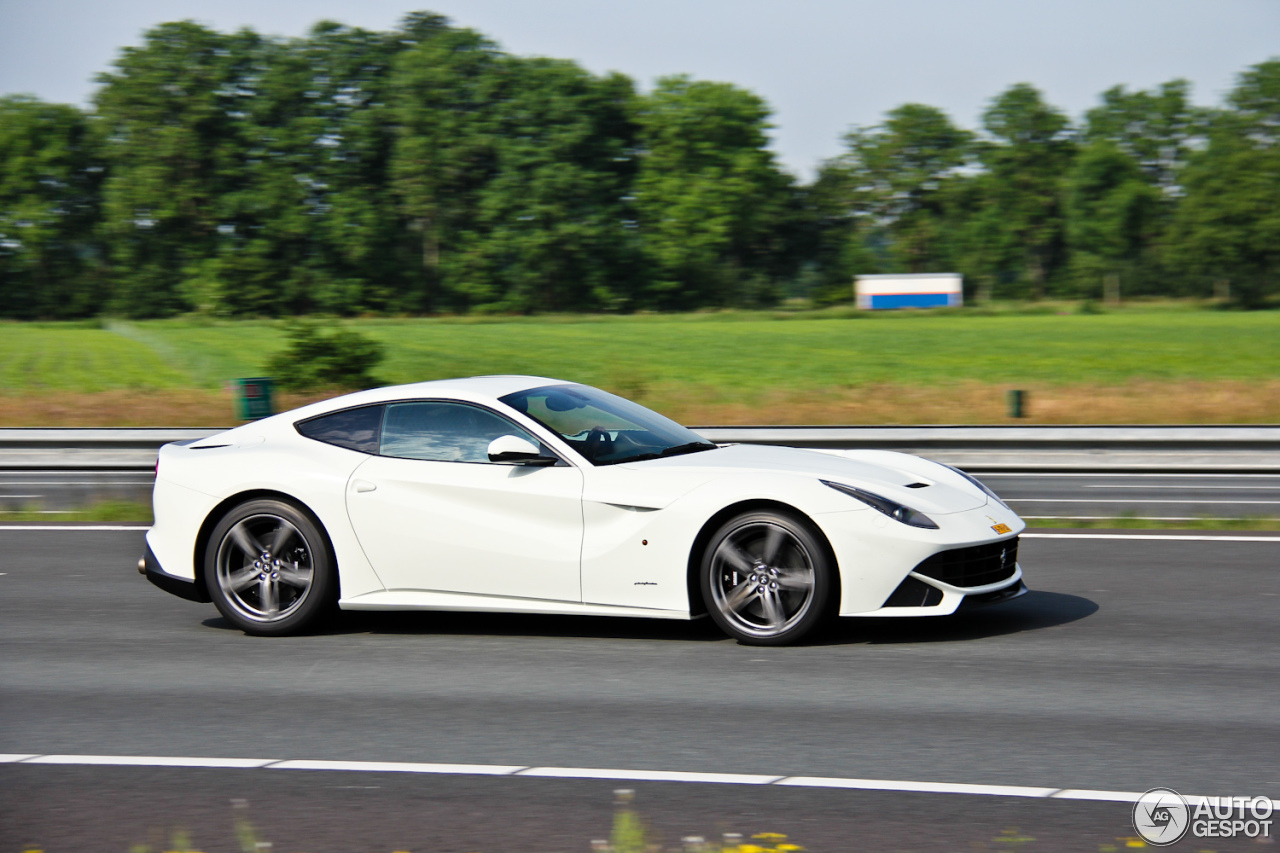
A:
[834,237]
[171,117]
[898,175]
[1228,225]
[551,230]
[712,207]
[49,180]
[443,102]
[1157,130]
[1021,233]
[311,226]
[1111,213]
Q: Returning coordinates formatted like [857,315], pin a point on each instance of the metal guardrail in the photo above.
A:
[986,448]
[1234,449]
[87,449]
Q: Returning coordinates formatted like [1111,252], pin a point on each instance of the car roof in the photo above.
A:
[476,389]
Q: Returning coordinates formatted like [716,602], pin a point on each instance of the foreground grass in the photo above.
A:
[103,511]
[1140,365]
[631,832]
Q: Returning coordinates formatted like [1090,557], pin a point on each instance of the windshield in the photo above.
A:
[605,429]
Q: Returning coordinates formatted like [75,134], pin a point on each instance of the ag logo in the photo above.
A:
[1161,817]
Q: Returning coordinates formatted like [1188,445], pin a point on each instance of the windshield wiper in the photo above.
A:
[679,449]
[691,447]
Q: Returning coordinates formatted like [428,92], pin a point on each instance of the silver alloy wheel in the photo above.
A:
[264,568]
[762,579]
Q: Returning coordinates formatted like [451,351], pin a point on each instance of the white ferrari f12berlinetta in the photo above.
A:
[531,495]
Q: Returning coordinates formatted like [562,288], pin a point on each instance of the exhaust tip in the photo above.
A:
[142,565]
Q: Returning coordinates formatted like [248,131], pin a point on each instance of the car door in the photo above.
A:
[433,513]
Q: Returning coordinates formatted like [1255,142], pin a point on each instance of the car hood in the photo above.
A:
[911,480]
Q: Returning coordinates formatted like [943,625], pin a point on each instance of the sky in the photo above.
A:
[823,65]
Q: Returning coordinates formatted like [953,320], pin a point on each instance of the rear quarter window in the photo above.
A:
[354,429]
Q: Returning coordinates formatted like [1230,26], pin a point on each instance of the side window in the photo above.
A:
[354,429]
[443,432]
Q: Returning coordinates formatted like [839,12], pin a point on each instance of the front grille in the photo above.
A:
[976,566]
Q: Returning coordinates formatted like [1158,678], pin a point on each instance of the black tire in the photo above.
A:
[768,578]
[269,569]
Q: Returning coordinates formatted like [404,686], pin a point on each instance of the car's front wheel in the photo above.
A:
[767,578]
[268,568]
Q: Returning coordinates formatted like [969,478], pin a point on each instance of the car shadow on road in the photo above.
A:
[455,624]
[1033,611]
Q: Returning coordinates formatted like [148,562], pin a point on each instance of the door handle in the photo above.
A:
[363,485]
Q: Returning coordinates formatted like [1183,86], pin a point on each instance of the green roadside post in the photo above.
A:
[1017,403]
[253,398]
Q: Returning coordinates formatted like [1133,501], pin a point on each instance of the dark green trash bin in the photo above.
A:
[1017,401]
[253,398]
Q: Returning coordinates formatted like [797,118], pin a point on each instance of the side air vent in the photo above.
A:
[913,592]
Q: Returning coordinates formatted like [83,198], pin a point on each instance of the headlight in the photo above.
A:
[979,484]
[894,510]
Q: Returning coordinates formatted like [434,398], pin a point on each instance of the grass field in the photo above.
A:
[1153,365]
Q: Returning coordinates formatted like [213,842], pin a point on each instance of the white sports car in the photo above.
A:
[526,494]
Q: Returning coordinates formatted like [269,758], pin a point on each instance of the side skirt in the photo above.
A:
[407,599]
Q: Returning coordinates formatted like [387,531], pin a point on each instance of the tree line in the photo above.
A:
[424,170]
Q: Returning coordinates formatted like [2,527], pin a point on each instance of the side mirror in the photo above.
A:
[514,450]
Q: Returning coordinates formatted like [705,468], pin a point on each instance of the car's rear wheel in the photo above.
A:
[767,578]
[269,570]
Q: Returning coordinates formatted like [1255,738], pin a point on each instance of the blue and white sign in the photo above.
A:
[926,290]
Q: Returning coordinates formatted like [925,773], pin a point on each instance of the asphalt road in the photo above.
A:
[1133,663]
[1173,496]
[53,491]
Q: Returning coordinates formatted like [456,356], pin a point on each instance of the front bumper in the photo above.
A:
[181,587]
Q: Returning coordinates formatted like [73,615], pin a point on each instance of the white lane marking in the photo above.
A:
[146,482]
[61,527]
[1105,796]
[150,761]
[36,511]
[400,767]
[919,787]
[588,773]
[1129,517]
[9,757]
[1150,536]
[1194,488]
[648,775]
[1124,501]
[21,496]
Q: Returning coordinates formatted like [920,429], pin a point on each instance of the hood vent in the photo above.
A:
[916,486]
